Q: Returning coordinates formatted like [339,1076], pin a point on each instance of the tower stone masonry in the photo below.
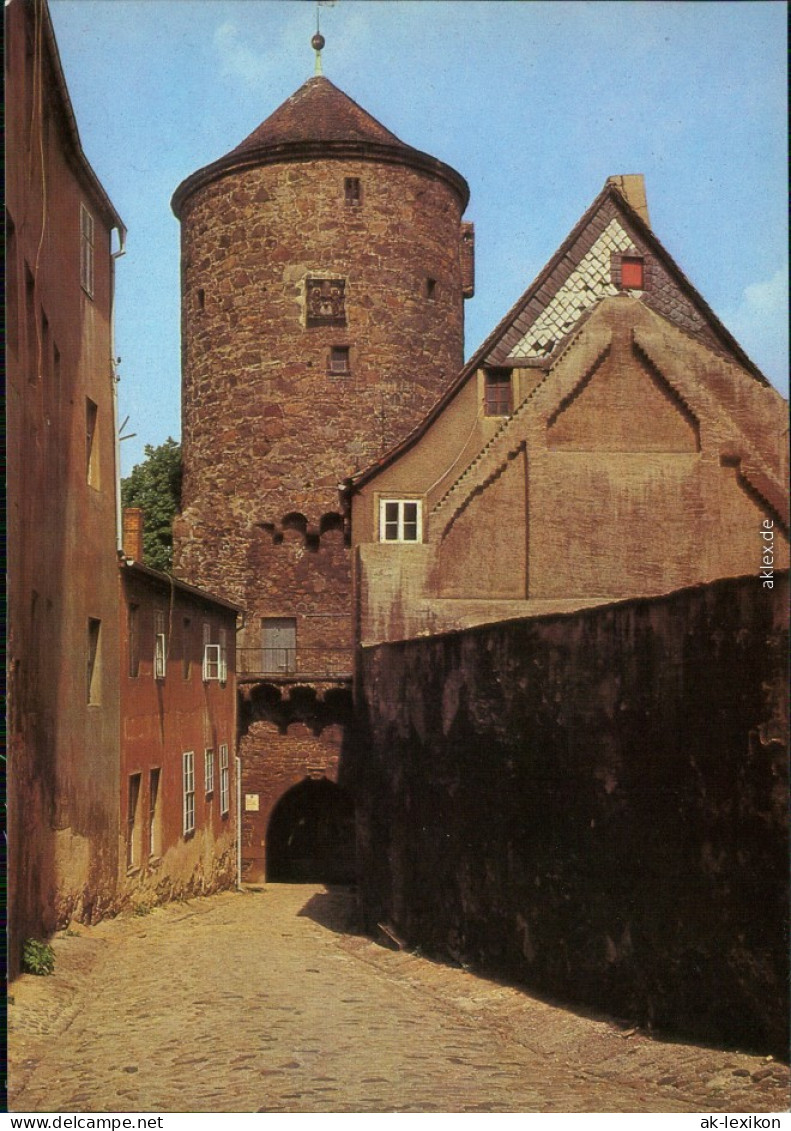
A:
[324,270]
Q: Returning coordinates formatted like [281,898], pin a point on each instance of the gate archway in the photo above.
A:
[310,838]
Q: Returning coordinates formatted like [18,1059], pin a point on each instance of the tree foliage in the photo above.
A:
[155,486]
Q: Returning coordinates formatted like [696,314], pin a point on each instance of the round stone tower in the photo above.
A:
[322,313]
[324,270]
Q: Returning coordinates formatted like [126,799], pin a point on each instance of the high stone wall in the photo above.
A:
[592,804]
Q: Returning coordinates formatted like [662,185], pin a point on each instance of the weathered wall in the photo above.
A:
[593,804]
[622,475]
[162,720]
[269,430]
[63,749]
[274,761]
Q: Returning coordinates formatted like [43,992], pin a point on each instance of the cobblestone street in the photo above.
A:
[261,1001]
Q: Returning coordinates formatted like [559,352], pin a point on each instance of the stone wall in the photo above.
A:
[270,428]
[593,805]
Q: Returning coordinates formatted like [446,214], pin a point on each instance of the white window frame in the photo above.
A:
[386,525]
[160,655]
[223,636]
[225,783]
[87,241]
[212,663]
[208,770]
[188,782]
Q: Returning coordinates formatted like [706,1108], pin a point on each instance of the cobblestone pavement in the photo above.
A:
[261,1001]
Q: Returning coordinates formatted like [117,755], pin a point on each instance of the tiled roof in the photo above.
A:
[318,122]
[318,111]
[537,328]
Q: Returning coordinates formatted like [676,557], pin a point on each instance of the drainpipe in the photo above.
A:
[114,379]
[238,762]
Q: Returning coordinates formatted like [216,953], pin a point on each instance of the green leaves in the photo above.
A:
[155,486]
[37,957]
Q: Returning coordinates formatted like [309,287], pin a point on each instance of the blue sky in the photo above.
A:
[535,103]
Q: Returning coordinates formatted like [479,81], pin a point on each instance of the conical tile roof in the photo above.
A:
[318,111]
[317,122]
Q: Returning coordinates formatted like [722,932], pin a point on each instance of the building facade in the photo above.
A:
[324,270]
[63,713]
[610,439]
[178,765]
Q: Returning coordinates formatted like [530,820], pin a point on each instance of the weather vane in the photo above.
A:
[318,41]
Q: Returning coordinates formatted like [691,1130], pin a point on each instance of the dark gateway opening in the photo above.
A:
[311,836]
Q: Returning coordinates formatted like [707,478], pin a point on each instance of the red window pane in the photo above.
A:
[632,273]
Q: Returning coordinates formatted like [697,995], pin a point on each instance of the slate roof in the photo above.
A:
[317,122]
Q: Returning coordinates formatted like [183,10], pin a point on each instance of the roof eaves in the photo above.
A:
[62,92]
[290,151]
[168,580]
[482,354]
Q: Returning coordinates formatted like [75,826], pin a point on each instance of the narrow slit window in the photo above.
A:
[86,251]
[189,792]
[225,781]
[352,191]
[154,822]
[91,447]
[133,823]
[340,363]
[160,645]
[94,661]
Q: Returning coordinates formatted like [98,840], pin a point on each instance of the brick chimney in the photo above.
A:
[632,188]
[133,533]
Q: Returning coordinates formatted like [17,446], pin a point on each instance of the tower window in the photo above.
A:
[431,288]
[632,272]
[497,393]
[326,302]
[352,191]
[340,363]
